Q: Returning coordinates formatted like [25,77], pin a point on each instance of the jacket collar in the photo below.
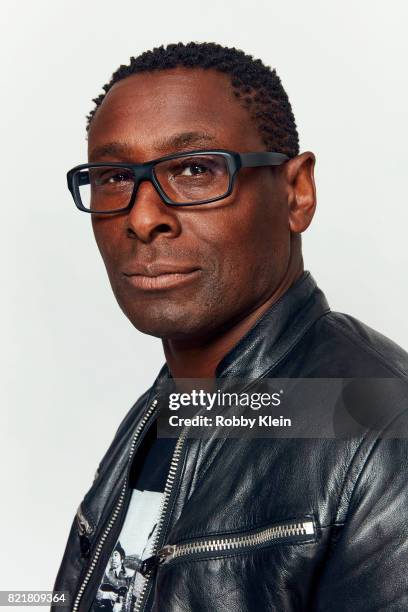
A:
[273,334]
[276,331]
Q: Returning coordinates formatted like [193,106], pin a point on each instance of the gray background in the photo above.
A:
[72,365]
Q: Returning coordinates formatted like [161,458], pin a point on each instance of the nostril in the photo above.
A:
[163,227]
[130,233]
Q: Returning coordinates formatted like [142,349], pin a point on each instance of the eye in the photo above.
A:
[109,176]
[112,178]
[194,169]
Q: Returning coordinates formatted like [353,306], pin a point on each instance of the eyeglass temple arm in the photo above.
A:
[264,158]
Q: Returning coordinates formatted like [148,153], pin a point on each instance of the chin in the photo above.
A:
[165,330]
[165,324]
[185,316]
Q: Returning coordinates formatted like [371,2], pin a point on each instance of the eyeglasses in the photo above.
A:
[182,179]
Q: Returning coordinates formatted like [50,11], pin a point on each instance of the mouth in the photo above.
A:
[161,281]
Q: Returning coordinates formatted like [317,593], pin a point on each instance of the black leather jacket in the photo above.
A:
[341,505]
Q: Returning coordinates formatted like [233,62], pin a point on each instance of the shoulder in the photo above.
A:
[140,406]
[133,414]
[340,345]
[368,341]
[125,431]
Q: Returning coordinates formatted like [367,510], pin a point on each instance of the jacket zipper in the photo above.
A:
[162,515]
[288,531]
[116,511]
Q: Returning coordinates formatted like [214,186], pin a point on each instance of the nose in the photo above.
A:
[150,216]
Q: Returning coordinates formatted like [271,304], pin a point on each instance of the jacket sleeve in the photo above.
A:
[367,568]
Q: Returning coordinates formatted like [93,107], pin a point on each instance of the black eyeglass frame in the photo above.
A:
[145,172]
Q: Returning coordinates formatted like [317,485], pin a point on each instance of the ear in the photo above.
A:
[301,191]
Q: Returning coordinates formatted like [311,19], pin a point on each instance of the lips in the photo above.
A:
[156,276]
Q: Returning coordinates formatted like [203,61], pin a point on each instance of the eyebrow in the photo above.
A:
[185,139]
[174,143]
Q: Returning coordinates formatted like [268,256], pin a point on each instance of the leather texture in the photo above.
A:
[354,490]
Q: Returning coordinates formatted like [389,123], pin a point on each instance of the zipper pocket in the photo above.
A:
[293,531]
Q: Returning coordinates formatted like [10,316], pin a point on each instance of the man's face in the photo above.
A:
[115,559]
[237,249]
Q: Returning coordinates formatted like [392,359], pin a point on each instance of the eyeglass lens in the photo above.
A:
[184,180]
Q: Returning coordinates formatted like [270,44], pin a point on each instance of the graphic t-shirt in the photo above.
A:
[121,583]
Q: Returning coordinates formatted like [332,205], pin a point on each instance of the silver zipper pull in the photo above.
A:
[151,563]
[166,553]
[84,527]
[84,530]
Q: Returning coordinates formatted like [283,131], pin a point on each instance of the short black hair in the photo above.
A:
[257,86]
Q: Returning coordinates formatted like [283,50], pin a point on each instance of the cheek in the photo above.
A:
[251,241]
[107,232]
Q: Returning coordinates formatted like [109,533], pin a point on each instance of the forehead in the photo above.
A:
[146,110]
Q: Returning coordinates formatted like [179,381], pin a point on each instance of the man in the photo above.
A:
[115,583]
[202,247]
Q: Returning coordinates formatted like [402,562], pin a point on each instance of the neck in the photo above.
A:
[200,360]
